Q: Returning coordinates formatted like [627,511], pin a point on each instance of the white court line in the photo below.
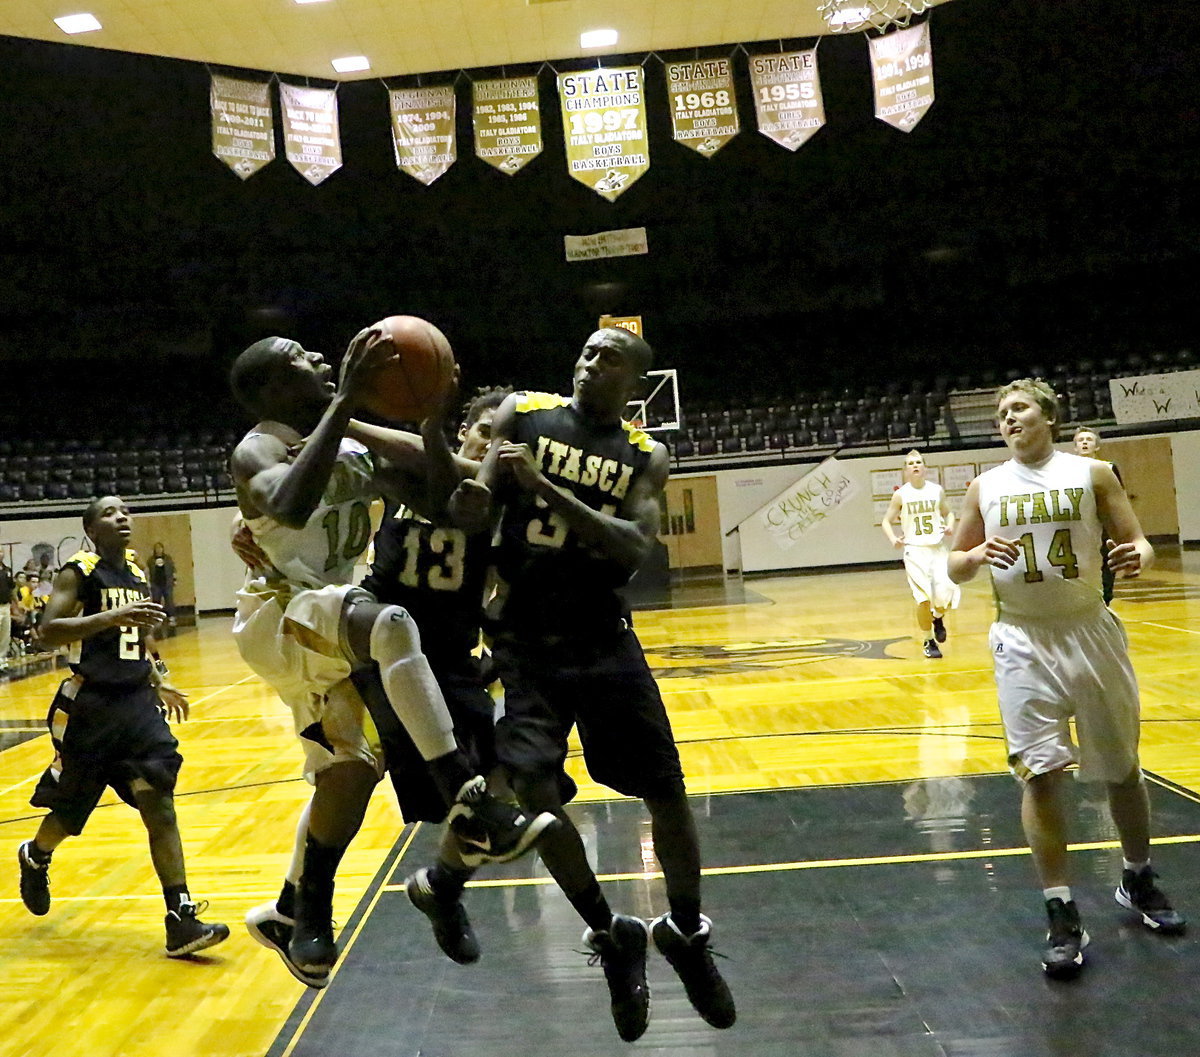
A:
[1170,627]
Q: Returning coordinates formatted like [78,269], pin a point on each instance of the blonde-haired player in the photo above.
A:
[925,523]
[1037,523]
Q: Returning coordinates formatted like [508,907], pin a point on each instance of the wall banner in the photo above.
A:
[902,71]
[787,96]
[704,113]
[604,125]
[310,131]
[423,132]
[1156,397]
[627,242]
[243,132]
[507,121]
[803,506]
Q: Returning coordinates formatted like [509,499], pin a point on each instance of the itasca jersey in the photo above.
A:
[1050,511]
[555,586]
[117,656]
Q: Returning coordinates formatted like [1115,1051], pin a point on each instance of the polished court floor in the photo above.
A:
[865,869]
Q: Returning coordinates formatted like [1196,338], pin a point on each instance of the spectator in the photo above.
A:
[162,580]
[7,584]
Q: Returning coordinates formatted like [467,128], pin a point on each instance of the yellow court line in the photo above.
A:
[868,678]
[316,1002]
[822,864]
[1169,627]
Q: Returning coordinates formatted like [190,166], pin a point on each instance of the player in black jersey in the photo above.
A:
[581,489]
[108,724]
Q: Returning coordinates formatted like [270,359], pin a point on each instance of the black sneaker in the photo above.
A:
[187,934]
[1137,892]
[312,948]
[490,830]
[35,881]
[1063,958]
[931,649]
[939,629]
[692,958]
[621,949]
[274,931]
[451,926]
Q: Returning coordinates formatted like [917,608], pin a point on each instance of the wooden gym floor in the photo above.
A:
[864,863]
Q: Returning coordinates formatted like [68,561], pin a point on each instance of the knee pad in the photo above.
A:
[394,636]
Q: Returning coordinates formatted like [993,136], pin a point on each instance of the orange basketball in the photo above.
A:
[409,387]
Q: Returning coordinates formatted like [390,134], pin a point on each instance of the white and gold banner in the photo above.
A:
[310,131]
[604,125]
[628,242]
[243,132]
[787,96]
[423,132]
[704,113]
[507,122]
[902,72]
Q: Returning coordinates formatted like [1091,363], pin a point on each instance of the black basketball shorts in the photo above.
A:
[605,688]
[104,736]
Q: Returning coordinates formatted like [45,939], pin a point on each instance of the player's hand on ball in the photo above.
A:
[470,507]
[1124,559]
[368,351]
[175,702]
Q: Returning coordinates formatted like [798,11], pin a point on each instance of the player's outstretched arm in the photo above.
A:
[972,549]
[60,625]
[1129,552]
[890,519]
[472,505]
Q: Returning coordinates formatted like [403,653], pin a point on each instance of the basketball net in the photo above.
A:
[850,16]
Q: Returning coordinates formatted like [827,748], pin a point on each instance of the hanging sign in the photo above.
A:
[604,125]
[310,131]
[787,96]
[628,242]
[902,72]
[704,112]
[243,134]
[508,122]
[423,130]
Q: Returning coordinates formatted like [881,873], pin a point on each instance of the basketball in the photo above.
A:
[409,386]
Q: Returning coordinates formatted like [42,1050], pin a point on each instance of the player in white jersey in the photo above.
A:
[925,522]
[1060,653]
[304,491]
[1087,444]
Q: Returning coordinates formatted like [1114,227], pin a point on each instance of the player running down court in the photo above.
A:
[580,491]
[304,492]
[925,522]
[107,721]
[1037,522]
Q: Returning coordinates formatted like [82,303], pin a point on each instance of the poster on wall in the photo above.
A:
[604,125]
[704,114]
[810,501]
[243,130]
[423,132]
[787,96]
[507,122]
[311,138]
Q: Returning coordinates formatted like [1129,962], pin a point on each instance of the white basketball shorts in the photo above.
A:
[929,577]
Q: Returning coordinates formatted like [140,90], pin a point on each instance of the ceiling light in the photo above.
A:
[77,23]
[598,38]
[351,64]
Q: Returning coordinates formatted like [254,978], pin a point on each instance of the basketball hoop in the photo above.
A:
[851,16]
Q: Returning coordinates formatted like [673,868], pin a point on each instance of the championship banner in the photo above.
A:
[803,506]
[507,121]
[627,242]
[1156,397]
[310,131]
[704,112]
[243,134]
[787,96]
[902,71]
[423,131]
[604,125]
